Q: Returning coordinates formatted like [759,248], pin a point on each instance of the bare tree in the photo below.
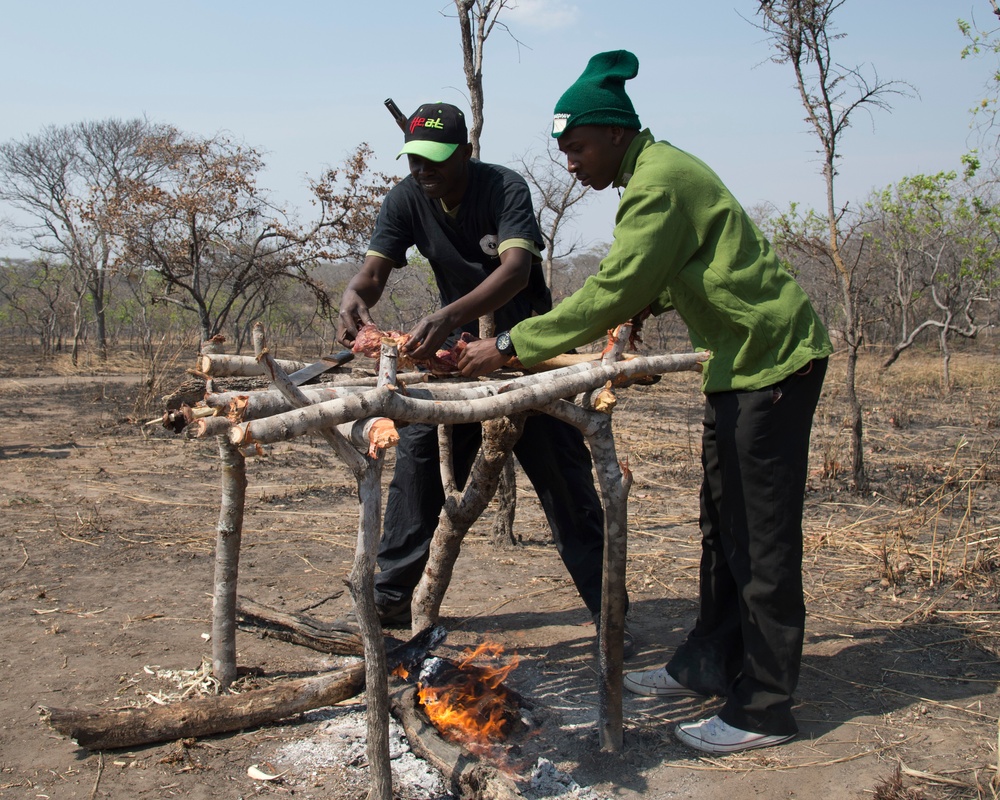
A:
[801,34]
[34,294]
[477,20]
[556,193]
[219,246]
[59,180]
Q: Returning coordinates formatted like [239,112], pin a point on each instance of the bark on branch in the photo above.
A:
[220,365]
[461,510]
[566,382]
[300,629]
[205,716]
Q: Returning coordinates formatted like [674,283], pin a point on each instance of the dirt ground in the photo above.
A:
[106,580]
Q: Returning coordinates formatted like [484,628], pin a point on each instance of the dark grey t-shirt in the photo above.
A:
[462,251]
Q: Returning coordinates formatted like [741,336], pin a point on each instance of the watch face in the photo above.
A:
[503,343]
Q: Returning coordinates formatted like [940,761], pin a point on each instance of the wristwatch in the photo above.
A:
[504,344]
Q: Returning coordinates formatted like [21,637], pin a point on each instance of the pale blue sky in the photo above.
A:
[304,81]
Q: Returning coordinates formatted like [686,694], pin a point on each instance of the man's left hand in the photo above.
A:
[480,357]
[429,334]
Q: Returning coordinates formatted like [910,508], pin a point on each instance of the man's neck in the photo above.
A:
[453,199]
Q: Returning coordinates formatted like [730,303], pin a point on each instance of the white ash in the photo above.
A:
[339,745]
[548,781]
[338,751]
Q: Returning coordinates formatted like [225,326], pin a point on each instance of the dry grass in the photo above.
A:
[934,462]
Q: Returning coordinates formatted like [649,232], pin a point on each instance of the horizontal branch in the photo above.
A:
[515,396]
[229,366]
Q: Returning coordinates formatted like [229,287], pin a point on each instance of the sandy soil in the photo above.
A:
[106,576]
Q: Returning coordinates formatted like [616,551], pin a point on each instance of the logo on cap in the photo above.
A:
[434,131]
[559,123]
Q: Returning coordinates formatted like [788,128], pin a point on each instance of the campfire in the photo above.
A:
[467,701]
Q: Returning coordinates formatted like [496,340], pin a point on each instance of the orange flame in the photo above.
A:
[474,707]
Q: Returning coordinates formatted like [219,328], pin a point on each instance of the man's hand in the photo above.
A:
[480,357]
[353,314]
[500,287]
[429,334]
[362,293]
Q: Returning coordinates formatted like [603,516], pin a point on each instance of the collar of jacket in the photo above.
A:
[639,143]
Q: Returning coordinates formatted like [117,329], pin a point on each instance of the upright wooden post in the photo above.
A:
[227,561]
[615,484]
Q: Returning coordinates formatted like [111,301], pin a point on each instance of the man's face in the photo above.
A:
[593,154]
[442,180]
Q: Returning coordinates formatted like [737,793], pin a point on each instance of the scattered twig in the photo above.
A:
[100,770]
[25,551]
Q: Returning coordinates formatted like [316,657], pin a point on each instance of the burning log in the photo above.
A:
[468,701]
[461,711]
[469,777]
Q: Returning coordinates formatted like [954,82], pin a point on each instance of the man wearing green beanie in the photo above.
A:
[682,242]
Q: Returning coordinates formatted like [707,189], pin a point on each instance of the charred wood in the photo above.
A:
[470,778]
[300,629]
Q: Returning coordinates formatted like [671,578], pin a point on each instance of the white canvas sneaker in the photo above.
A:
[656,683]
[715,736]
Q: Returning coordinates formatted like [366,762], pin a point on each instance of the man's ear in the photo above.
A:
[465,150]
[617,134]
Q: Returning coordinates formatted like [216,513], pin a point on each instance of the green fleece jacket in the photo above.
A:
[682,241]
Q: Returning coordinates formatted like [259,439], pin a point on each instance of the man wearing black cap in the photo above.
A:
[683,242]
[474,224]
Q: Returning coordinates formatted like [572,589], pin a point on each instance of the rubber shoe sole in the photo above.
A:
[656,683]
[712,735]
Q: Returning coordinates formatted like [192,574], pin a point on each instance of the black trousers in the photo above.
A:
[556,461]
[747,642]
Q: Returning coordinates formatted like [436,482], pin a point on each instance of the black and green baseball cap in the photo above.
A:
[434,131]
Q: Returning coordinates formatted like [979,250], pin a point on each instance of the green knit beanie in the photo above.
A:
[598,96]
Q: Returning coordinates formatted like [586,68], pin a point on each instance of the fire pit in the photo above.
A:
[467,700]
[463,718]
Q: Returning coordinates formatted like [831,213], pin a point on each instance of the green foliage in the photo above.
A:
[984,44]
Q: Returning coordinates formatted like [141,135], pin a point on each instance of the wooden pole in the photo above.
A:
[368,473]
[227,561]
[615,484]
[362,586]
[461,510]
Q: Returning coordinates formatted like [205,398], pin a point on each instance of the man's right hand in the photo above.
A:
[353,314]
[361,293]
